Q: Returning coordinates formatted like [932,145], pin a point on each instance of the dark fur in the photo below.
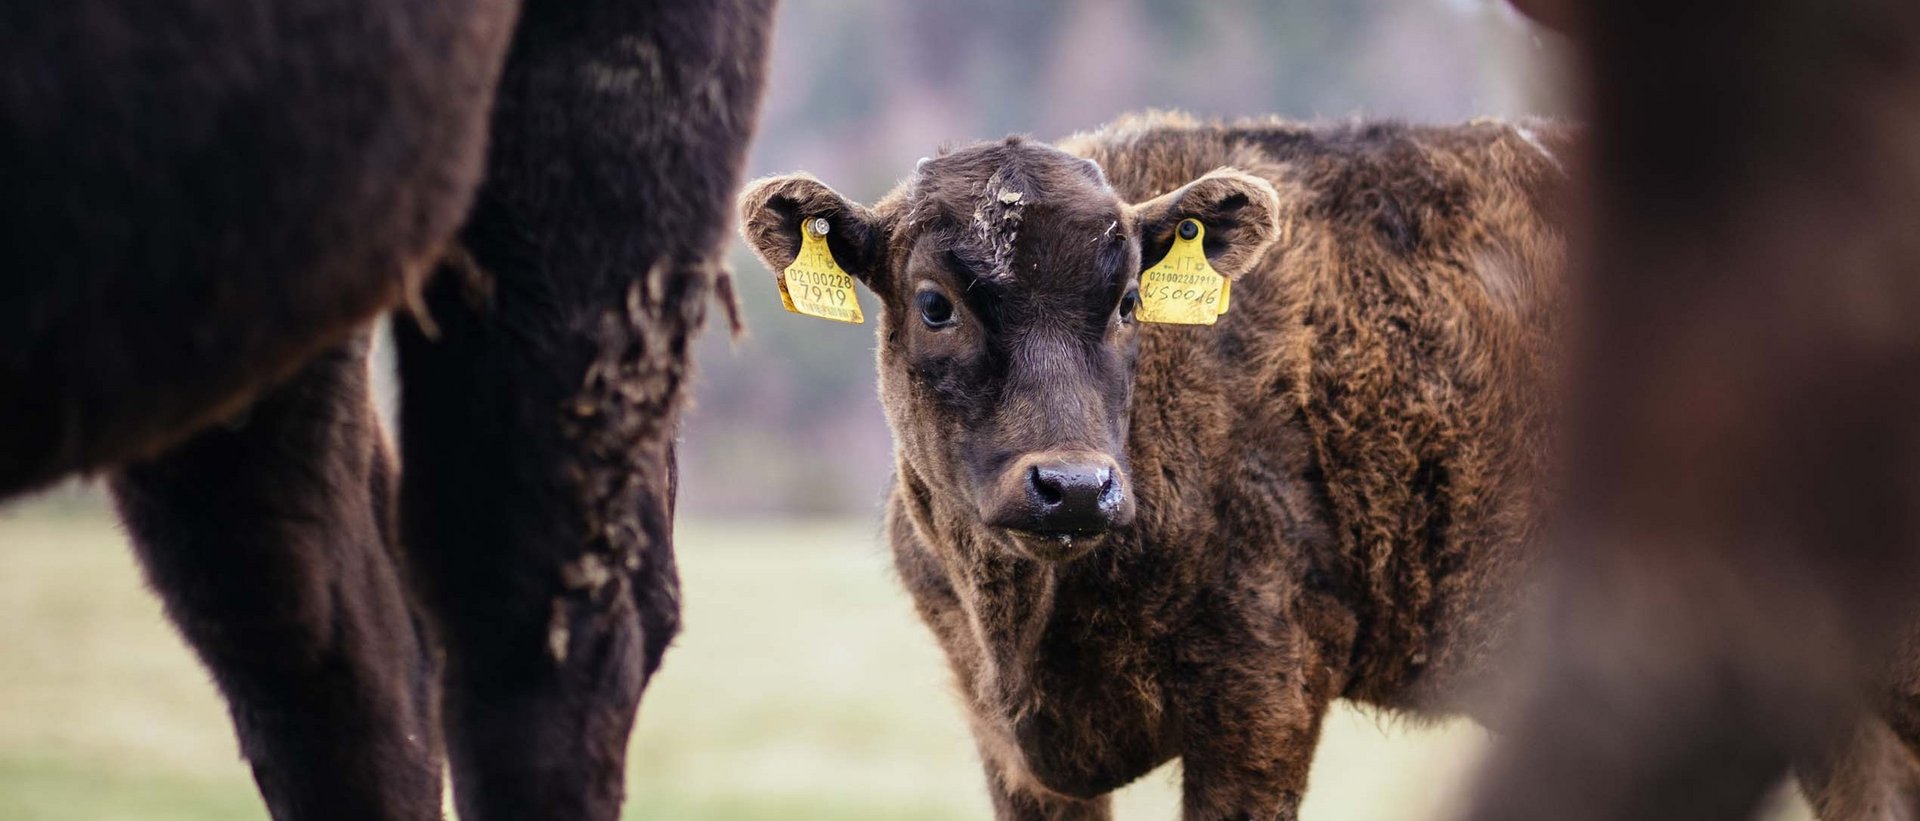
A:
[272,542]
[202,195]
[1332,483]
[539,421]
[1748,463]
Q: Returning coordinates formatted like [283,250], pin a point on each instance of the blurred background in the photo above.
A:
[803,686]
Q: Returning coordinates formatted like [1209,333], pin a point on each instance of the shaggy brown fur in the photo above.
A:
[206,199]
[1335,486]
[1743,528]
[1332,484]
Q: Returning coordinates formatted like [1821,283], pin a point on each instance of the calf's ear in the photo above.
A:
[771,213]
[1239,212]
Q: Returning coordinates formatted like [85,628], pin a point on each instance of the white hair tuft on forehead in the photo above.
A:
[996,220]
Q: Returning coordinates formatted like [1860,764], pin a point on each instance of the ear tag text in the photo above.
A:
[814,284]
[1183,289]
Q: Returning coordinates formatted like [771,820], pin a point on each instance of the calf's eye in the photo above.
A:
[935,310]
[1128,302]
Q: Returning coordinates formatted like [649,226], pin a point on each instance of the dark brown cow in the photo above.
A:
[208,201]
[1138,542]
[1742,545]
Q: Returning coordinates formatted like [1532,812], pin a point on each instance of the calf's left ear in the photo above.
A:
[1239,212]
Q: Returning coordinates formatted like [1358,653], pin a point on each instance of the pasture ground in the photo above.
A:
[802,688]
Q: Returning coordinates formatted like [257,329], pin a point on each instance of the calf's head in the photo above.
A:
[1007,275]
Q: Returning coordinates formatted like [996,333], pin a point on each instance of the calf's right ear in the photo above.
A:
[772,211]
[1241,214]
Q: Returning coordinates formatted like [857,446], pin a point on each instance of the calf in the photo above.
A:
[1140,541]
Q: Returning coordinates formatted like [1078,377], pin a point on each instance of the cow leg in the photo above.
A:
[1017,801]
[267,539]
[540,400]
[1252,722]
[1864,774]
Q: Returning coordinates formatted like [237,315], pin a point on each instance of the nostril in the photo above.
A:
[1045,486]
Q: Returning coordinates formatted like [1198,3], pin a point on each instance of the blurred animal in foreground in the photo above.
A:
[1740,548]
[208,204]
[1139,541]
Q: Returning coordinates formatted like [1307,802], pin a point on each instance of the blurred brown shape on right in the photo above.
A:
[1739,555]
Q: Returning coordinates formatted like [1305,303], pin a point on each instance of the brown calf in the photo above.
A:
[1144,541]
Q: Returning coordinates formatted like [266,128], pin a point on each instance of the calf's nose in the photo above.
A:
[1070,490]
[1082,493]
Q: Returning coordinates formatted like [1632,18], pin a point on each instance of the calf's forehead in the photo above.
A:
[1021,215]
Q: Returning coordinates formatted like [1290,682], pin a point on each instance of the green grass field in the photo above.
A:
[802,688]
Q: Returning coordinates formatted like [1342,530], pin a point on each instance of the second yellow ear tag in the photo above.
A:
[814,284]
[1184,289]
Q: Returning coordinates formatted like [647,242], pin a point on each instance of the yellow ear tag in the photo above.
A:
[1184,289]
[814,284]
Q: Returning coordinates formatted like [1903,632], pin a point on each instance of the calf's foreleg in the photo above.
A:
[1016,797]
[1251,719]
